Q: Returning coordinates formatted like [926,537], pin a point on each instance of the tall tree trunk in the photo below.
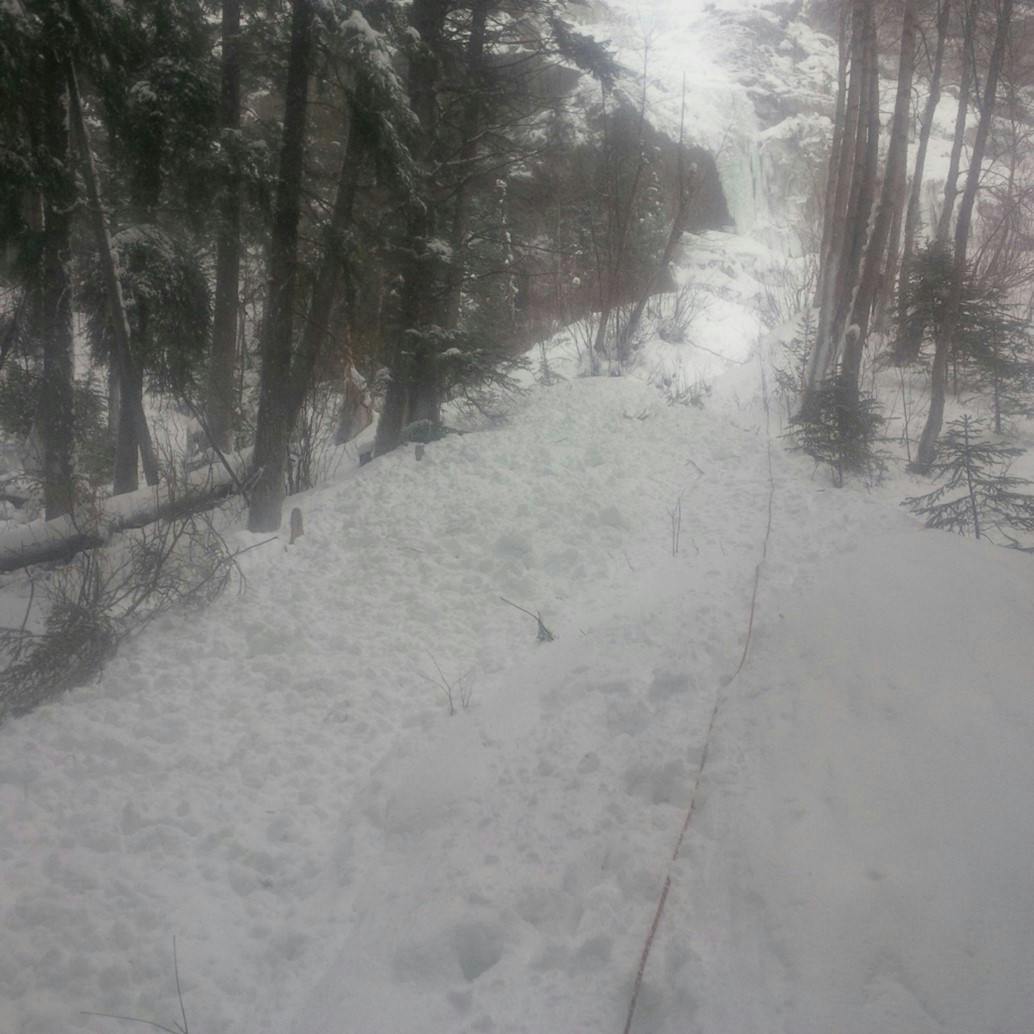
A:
[897,157]
[888,284]
[327,286]
[56,403]
[834,175]
[619,226]
[926,451]
[904,352]
[951,183]
[145,188]
[114,404]
[413,391]
[272,430]
[842,167]
[221,380]
[863,191]
[131,401]
[134,433]
[467,157]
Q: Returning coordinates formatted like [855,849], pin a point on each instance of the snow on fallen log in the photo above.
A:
[59,539]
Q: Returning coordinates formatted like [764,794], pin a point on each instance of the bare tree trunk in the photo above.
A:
[903,351]
[927,450]
[674,236]
[621,218]
[318,321]
[273,425]
[133,430]
[965,87]
[889,277]
[221,379]
[114,404]
[863,191]
[834,176]
[56,418]
[897,157]
[842,167]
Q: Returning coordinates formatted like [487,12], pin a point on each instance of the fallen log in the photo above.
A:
[60,539]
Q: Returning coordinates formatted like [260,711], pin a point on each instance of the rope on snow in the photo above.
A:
[658,915]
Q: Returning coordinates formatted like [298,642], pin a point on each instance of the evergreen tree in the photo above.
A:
[842,431]
[989,338]
[483,78]
[999,345]
[976,491]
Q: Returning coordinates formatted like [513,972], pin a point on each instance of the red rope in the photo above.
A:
[644,958]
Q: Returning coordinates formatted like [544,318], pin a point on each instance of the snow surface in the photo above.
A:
[279,785]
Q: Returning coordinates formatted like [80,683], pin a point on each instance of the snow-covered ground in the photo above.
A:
[282,785]
[279,784]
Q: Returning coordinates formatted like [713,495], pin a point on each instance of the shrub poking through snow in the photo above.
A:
[103,597]
[543,635]
[842,431]
[457,693]
[977,492]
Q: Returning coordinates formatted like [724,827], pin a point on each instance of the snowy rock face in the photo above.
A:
[759,81]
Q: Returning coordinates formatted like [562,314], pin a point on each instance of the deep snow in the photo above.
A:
[279,785]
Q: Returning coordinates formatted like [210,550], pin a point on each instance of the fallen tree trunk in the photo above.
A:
[60,539]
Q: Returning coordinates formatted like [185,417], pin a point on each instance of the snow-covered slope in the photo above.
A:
[280,786]
[862,859]
[283,786]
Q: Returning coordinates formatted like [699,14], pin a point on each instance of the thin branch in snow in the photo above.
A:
[544,634]
[176,1028]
